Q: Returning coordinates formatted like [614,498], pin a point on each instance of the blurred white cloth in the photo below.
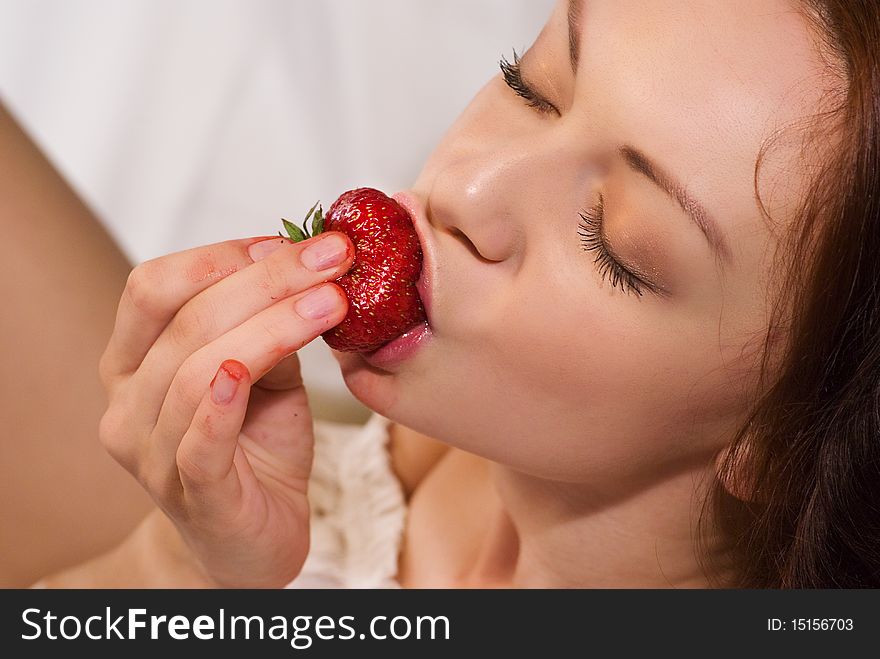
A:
[184,122]
[358,510]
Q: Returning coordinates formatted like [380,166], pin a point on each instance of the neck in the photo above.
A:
[549,534]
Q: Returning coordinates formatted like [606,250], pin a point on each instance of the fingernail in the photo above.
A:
[324,253]
[225,383]
[259,251]
[318,304]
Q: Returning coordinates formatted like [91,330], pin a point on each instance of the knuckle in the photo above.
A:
[109,431]
[281,340]
[192,470]
[190,383]
[106,371]
[143,286]
[111,374]
[113,436]
[275,279]
[192,326]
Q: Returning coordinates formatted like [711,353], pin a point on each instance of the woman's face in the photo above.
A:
[623,344]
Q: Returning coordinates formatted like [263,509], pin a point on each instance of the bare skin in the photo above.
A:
[625,399]
[64,499]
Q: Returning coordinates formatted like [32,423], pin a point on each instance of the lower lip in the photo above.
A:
[400,349]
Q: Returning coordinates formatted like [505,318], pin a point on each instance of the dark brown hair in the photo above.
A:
[797,497]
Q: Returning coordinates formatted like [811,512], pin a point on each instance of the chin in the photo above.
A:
[373,387]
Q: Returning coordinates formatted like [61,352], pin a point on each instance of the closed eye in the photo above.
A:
[609,267]
[513,77]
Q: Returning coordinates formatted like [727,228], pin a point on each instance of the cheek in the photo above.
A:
[623,368]
[564,350]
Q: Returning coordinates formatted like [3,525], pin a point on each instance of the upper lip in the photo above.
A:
[427,277]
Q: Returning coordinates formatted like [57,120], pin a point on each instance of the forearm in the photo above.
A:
[152,556]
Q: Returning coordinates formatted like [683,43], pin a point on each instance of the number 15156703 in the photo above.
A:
[809,624]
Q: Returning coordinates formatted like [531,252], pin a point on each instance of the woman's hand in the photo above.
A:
[207,408]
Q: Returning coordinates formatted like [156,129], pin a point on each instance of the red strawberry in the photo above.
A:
[381,284]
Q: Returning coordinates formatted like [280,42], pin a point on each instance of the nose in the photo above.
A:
[481,186]
[471,198]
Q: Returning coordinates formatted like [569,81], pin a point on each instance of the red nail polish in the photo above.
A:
[226,381]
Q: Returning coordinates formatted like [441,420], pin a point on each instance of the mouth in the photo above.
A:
[400,349]
[425,282]
[413,338]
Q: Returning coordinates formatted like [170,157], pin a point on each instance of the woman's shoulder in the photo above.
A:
[413,456]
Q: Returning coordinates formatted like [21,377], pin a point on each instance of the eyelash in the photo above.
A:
[513,78]
[590,231]
[590,228]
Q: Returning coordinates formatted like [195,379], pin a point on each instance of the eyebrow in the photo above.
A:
[574,32]
[639,162]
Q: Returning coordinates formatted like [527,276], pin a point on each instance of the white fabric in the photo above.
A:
[358,510]
[185,122]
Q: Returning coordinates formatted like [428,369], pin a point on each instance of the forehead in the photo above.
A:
[699,83]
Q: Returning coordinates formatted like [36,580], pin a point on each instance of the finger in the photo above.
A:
[233,301]
[285,375]
[277,432]
[157,289]
[207,450]
[259,343]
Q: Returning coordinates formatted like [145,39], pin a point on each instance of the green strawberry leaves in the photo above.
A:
[316,213]
[317,221]
[296,234]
